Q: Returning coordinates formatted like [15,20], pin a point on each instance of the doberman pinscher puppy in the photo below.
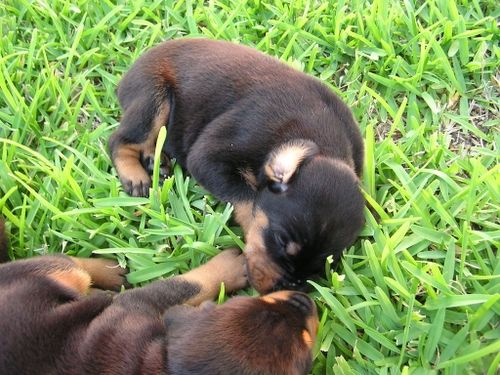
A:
[278,144]
[49,325]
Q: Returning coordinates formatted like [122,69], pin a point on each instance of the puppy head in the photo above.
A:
[271,335]
[293,230]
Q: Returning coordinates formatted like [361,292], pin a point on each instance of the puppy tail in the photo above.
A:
[4,250]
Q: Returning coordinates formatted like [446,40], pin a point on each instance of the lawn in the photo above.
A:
[418,293]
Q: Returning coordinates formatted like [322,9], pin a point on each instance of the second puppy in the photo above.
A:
[49,326]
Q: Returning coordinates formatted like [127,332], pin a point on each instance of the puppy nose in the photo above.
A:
[301,302]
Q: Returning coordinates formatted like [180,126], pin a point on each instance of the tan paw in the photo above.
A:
[229,267]
[138,185]
[105,273]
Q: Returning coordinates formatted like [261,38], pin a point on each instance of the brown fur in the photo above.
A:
[49,326]
[270,332]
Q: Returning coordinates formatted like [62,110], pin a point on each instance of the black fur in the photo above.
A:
[234,107]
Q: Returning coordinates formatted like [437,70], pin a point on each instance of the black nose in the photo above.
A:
[301,302]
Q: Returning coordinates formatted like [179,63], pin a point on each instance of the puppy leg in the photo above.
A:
[191,288]
[220,162]
[60,269]
[72,273]
[133,144]
[146,103]
[227,267]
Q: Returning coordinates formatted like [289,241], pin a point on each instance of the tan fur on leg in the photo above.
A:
[228,267]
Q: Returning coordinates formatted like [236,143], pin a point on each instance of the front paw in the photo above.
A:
[104,273]
[147,161]
[138,186]
[111,275]
[230,267]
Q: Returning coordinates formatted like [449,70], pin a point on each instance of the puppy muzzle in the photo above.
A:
[263,272]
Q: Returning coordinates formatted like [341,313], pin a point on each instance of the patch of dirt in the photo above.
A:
[464,141]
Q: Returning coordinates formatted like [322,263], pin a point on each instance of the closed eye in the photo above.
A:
[281,240]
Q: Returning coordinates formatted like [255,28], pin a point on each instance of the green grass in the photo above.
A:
[418,293]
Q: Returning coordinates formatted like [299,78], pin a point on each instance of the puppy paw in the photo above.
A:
[148,161]
[111,277]
[230,267]
[138,186]
[105,273]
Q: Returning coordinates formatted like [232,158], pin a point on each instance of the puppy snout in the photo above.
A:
[263,273]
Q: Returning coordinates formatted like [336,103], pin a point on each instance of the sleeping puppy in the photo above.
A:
[49,325]
[273,141]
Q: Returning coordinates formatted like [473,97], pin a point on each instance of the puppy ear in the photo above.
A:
[283,162]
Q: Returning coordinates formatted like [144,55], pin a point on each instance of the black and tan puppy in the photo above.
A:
[275,142]
[49,326]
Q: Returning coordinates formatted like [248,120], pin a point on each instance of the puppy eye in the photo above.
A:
[277,187]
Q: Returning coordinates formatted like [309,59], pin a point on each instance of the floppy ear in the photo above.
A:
[283,162]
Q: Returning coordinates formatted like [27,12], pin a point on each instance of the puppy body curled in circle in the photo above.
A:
[277,143]
[49,323]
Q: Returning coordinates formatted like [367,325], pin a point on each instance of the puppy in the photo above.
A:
[273,141]
[49,326]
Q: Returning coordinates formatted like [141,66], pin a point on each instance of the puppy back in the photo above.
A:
[4,253]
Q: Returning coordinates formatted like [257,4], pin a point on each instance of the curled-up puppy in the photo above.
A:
[49,325]
[278,144]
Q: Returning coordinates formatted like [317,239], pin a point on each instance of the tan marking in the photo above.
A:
[243,214]
[284,161]
[126,159]
[227,267]
[268,299]
[281,295]
[249,178]
[253,236]
[72,278]
[160,120]
[307,338]
[292,248]
[263,271]
[261,219]
[312,324]
[105,273]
